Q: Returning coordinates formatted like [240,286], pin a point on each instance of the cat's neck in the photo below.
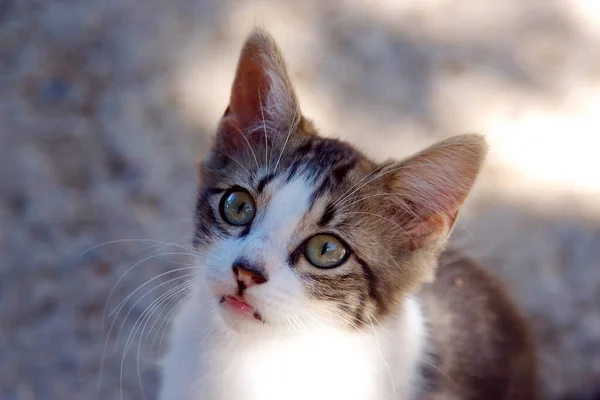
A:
[378,362]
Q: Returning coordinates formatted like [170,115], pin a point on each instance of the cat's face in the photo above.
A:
[306,227]
[297,231]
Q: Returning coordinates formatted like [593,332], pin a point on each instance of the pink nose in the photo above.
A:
[247,274]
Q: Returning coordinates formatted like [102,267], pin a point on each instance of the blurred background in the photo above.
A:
[106,106]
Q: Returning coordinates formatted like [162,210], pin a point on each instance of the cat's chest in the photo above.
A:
[318,366]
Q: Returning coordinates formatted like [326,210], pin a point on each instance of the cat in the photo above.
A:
[322,274]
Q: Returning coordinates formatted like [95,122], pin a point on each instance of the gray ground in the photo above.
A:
[106,105]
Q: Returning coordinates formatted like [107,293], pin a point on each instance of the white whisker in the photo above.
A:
[343,195]
[385,218]
[128,342]
[149,281]
[237,162]
[404,206]
[238,130]
[293,126]
[167,319]
[264,124]
[164,299]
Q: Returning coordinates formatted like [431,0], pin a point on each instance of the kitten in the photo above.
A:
[321,273]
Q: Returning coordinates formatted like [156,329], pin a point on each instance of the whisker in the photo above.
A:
[385,218]
[264,124]
[194,252]
[404,206]
[293,126]
[143,296]
[127,344]
[343,195]
[146,316]
[193,265]
[248,143]
[387,366]
[440,371]
[108,336]
[147,282]
[172,299]
[164,299]
[136,240]
[381,326]
[156,243]
[167,319]
[358,329]
[133,306]
[236,161]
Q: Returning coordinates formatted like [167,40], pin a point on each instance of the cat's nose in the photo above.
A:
[247,274]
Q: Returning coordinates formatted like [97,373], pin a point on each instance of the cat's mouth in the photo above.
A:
[237,305]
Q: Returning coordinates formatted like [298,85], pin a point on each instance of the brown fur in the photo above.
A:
[394,217]
[479,340]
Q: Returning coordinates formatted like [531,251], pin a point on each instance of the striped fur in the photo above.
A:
[394,219]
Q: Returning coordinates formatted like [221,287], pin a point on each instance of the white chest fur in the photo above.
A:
[379,363]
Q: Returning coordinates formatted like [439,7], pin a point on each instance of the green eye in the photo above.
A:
[238,208]
[325,251]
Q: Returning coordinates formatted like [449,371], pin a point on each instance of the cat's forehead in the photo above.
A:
[328,162]
[330,173]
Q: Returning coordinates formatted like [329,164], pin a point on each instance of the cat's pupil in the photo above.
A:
[238,208]
[325,251]
[241,207]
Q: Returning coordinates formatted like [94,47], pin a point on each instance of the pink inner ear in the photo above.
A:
[261,94]
[247,103]
[250,89]
[435,183]
[434,228]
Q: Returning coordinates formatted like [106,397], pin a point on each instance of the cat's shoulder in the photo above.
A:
[464,280]
[479,341]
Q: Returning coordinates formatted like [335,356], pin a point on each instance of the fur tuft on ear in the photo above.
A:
[262,96]
[428,188]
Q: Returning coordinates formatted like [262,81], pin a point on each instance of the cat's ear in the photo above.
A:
[429,188]
[262,98]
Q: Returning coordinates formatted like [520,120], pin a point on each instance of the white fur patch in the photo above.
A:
[378,364]
[210,361]
[267,244]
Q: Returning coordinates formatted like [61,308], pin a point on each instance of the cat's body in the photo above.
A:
[321,364]
[433,349]
[318,269]
[478,342]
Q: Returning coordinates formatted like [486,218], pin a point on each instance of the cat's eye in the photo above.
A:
[325,251]
[237,207]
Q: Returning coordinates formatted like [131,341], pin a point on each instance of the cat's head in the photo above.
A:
[297,230]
